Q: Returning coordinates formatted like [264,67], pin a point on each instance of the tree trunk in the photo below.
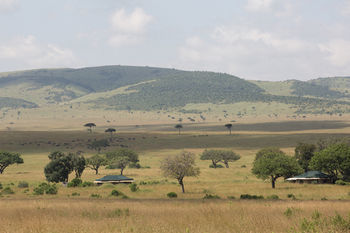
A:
[182,185]
[226,164]
[96,171]
[179,131]
[121,171]
[214,164]
[273,181]
[230,131]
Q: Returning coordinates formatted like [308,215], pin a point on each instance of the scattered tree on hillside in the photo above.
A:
[111,131]
[267,150]
[229,127]
[303,153]
[79,164]
[334,160]
[8,158]
[214,155]
[90,125]
[229,156]
[121,158]
[180,166]
[274,164]
[179,127]
[95,162]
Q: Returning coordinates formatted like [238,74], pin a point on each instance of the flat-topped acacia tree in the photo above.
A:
[111,131]
[179,127]
[90,125]
[8,158]
[229,127]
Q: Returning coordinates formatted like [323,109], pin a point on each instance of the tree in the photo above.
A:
[8,158]
[179,127]
[303,153]
[121,158]
[90,125]
[229,156]
[58,170]
[95,162]
[334,160]
[79,164]
[97,145]
[180,166]
[111,131]
[267,150]
[229,127]
[214,155]
[273,164]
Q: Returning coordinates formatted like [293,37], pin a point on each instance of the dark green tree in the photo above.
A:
[273,164]
[229,127]
[214,155]
[267,150]
[179,127]
[90,126]
[58,170]
[121,158]
[8,158]
[95,162]
[303,153]
[79,164]
[180,166]
[229,156]
[110,131]
[333,160]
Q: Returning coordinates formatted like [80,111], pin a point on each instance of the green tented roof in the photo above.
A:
[114,178]
[312,174]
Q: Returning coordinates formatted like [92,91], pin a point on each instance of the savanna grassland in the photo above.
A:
[314,208]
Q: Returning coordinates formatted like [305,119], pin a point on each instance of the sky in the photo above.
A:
[251,39]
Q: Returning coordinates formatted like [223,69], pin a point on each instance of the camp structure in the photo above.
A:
[310,177]
[114,179]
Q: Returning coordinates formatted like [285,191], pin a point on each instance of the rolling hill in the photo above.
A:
[131,88]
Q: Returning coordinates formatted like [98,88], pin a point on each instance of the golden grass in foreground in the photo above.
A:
[66,215]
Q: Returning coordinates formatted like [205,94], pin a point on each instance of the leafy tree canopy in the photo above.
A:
[303,153]
[8,158]
[95,162]
[121,158]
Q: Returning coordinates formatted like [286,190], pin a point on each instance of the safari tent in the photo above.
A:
[310,177]
[114,179]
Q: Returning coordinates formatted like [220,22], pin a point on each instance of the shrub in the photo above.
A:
[0,186]
[211,196]
[243,166]
[23,184]
[273,197]
[291,195]
[7,190]
[288,213]
[75,183]
[125,197]
[341,182]
[38,191]
[217,166]
[93,195]
[87,184]
[75,194]
[116,193]
[172,195]
[135,165]
[45,188]
[133,187]
[324,199]
[231,197]
[248,196]
[51,190]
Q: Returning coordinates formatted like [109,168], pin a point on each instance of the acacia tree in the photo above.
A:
[334,160]
[180,166]
[8,158]
[272,165]
[229,127]
[95,162]
[229,156]
[214,155]
[303,153]
[79,164]
[121,158]
[111,131]
[90,125]
[179,127]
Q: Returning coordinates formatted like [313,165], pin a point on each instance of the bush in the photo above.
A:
[135,165]
[231,197]
[23,184]
[290,195]
[217,166]
[7,190]
[211,196]
[243,166]
[273,197]
[75,183]
[38,191]
[87,184]
[75,194]
[133,187]
[249,197]
[116,193]
[93,195]
[45,188]
[51,190]
[341,182]
[172,195]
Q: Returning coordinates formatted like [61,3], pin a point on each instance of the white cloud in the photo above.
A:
[338,51]
[8,5]
[29,51]
[129,28]
[258,5]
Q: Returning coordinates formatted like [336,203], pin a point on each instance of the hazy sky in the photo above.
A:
[253,39]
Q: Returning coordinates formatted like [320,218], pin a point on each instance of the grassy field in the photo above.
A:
[149,210]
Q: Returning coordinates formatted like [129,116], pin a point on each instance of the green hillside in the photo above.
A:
[154,89]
